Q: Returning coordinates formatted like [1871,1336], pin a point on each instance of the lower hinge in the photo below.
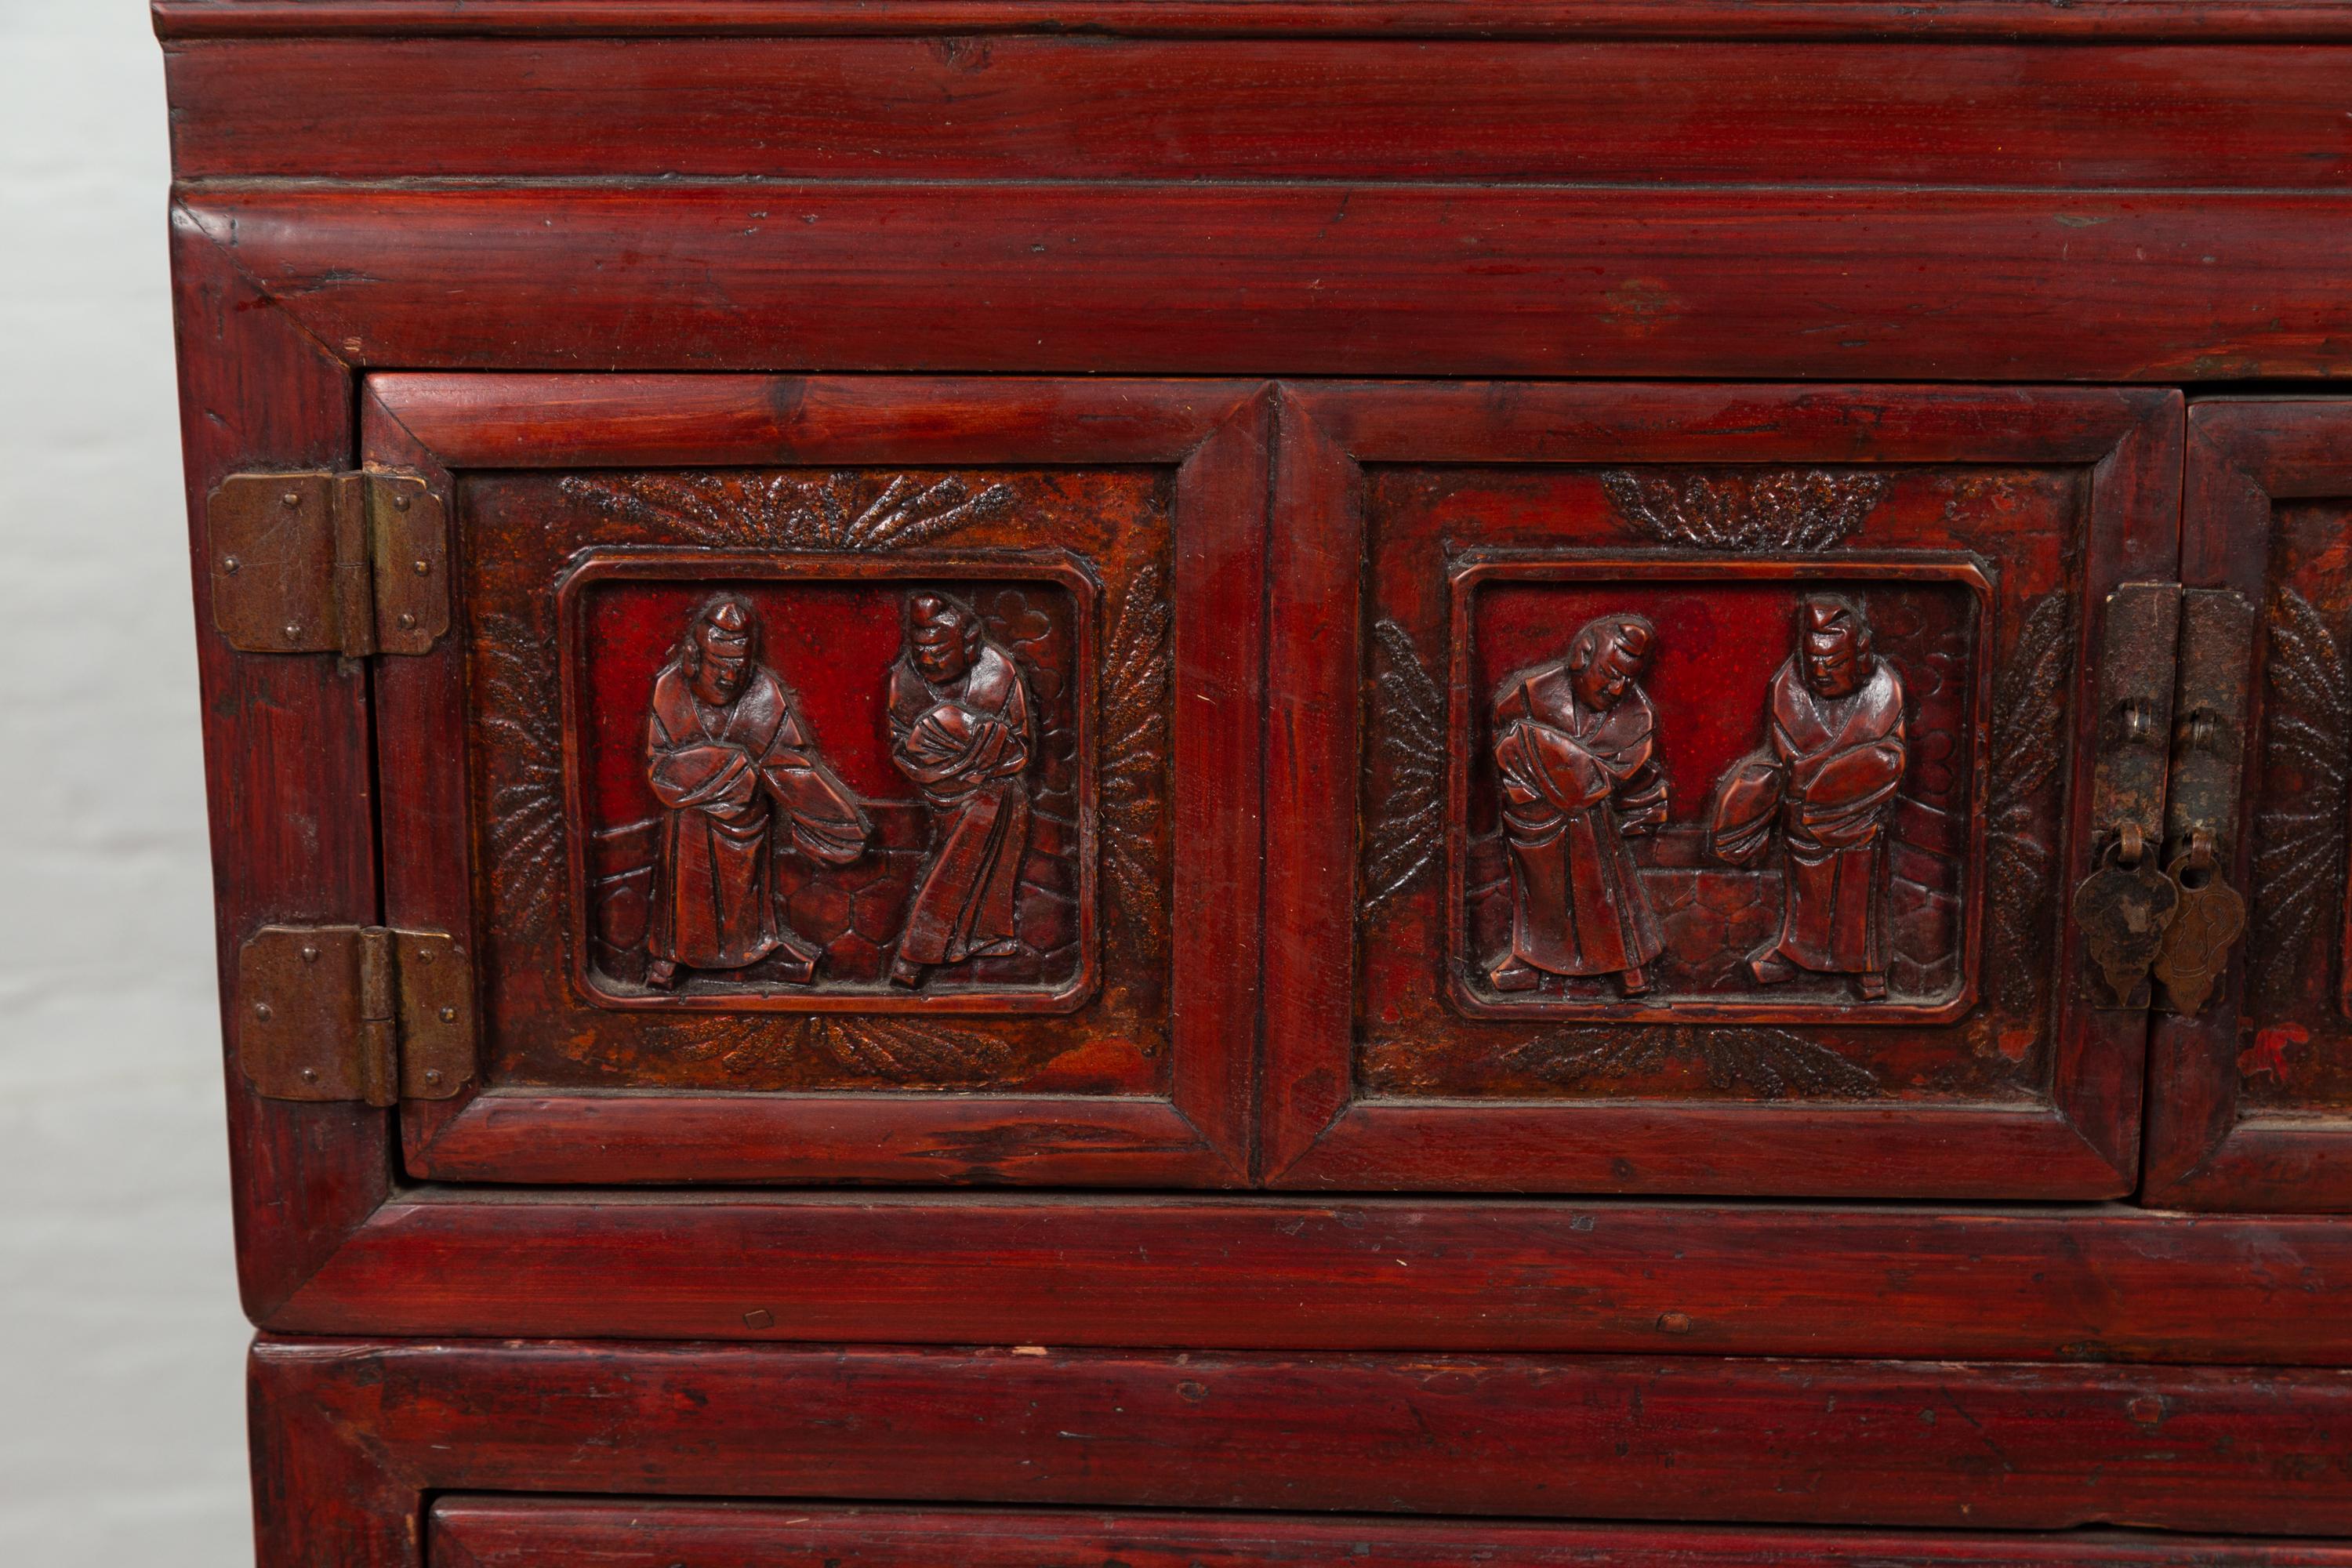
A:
[354,1013]
[322,562]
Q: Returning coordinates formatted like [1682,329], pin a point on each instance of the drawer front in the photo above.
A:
[1680,789]
[835,779]
[511,1532]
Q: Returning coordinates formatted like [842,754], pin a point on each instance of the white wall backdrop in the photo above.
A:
[122,1419]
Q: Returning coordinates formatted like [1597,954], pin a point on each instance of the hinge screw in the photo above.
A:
[399,502]
[310,955]
[407,623]
[261,1011]
[310,1075]
[424,569]
[229,563]
[290,499]
[433,1077]
[293,631]
[448,1015]
[424,955]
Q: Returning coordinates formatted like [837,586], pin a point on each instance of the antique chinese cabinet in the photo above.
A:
[1259,782]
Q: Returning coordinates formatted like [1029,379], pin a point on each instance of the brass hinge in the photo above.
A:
[358,1013]
[353,563]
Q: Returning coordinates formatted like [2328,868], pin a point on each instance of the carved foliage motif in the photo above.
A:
[1771,1063]
[2028,741]
[781,511]
[1742,511]
[1405,827]
[2300,839]
[910,1051]
[1138,664]
[519,707]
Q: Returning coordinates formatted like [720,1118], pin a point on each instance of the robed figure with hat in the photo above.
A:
[1825,786]
[730,760]
[1574,744]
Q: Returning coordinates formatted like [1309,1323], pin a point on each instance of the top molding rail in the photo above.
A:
[2082,21]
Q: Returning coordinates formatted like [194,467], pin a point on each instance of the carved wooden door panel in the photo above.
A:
[2250,1098]
[1679,789]
[806,768]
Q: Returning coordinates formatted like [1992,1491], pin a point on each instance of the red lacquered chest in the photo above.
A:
[1250,783]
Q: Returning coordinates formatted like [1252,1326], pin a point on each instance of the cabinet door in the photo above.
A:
[806,768]
[1679,789]
[2251,1098]
[524,1532]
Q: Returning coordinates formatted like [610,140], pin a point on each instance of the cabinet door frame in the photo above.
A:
[1320,1133]
[1212,434]
[2245,454]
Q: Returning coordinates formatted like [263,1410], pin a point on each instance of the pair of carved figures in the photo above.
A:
[732,762]
[1575,747]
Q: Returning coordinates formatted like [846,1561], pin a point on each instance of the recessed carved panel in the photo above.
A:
[1716,791]
[827,780]
[1695,783]
[836,779]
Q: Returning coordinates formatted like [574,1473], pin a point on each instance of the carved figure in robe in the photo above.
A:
[1574,748]
[729,757]
[959,730]
[1824,785]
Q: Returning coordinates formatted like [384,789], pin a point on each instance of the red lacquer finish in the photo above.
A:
[1609,18]
[356,1435]
[499,1533]
[2040,1283]
[2249,1103]
[1026,107]
[1323,279]
[1372,1102]
[1067,1100]
[1414,738]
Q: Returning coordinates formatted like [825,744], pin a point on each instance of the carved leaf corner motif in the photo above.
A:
[1138,665]
[1405,826]
[1731,510]
[2300,841]
[785,511]
[520,709]
[913,1052]
[2029,740]
[905,1052]
[1774,1063]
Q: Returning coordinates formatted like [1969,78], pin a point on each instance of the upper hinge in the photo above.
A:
[359,1013]
[353,563]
